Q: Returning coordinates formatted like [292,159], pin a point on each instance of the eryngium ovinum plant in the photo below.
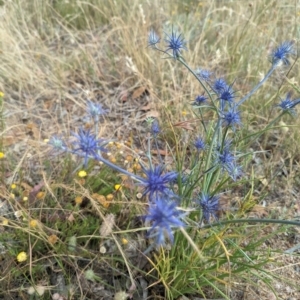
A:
[194,249]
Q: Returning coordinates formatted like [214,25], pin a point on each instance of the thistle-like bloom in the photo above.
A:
[282,53]
[219,85]
[288,104]
[235,171]
[200,99]
[203,74]
[95,110]
[232,118]
[153,38]
[156,183]
[227,161]
[175,43]
[226,95]
[58,144]
[199,144]
[155,129]
[87,145]
[209,205]
[164,215]
[225,158]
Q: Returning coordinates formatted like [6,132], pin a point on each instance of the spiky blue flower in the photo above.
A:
[175,43]
[155,129]
[156,183]
[87,145]
[288,104]
[164,215]
[225,158]
[203,74]
[200,99]
[226,95]
[232,118]
[58,144]
[199,144]
[282,53]
[219,85]
[235,171]
[227,161]
[153,38]
[95,110]
[209,205]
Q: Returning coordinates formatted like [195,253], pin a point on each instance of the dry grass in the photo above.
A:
[57,54]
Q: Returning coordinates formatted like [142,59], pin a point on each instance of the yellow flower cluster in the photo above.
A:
[21,257]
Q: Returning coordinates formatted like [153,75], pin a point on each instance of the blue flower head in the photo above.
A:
[200,99]
[225,158]
[156,183]
[226,95]
[164,215]
[232,118]
[155,129]
[227,161]
[220,85]
[235,171]
[209,205]
[288,104]
[282,53]
[87,145]
[153,38]
[203,74]
[199,144]
[95,110]
[58,144]
[175,43]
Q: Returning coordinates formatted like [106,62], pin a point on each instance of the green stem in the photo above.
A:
[269,221]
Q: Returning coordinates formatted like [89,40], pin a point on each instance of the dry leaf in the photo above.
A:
[48,104]
[71,218]
[139,92]
[160,151]
[124,96]
[107,225]
[147,107]
[9,140]
[33,130]
[259,211]
[152,114]
[185,125]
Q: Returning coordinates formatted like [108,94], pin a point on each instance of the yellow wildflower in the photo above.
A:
[129,158]
[13,186]
[1,94]
[78,200]
[106,204]
[52,239]
[118,187]
[124,241]
[33,223]
[82,173]
[1,155]
[112,159]
[4,222]
[109,197]
[40,195]
[22,256]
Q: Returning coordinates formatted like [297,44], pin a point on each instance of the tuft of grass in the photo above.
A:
[83,236]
